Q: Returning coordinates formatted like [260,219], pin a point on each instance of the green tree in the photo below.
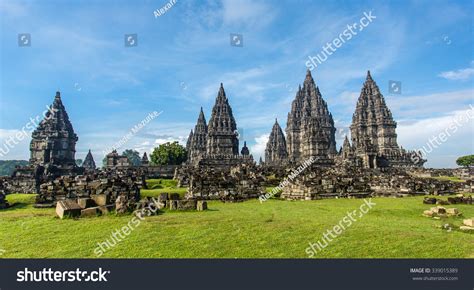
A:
[133,157]
[466,161]
[78,162]
[168,154]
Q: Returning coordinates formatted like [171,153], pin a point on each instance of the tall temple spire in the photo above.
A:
[54,141]
[373,120]
[369,77]
[189,142]
[245,150]
[275,151]
[373,130]
[198,139]
[145,160]
[89,163]
[310,127]
[222,131]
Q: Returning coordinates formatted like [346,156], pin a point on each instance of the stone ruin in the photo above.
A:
[174,202]
[310,132]
[3,195]
[317,183]
[240,183]
[108,184]
[215,169]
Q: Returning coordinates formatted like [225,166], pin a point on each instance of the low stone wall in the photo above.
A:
[317,183]
[239,182]
[110,183]
[3,192]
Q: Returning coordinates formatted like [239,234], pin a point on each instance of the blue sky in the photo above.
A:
[182,56]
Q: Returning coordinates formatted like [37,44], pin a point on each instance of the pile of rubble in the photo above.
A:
[3,192]
[173,202]
[468,225]
[439,212]
[458,199]
[109,183]
[237,183]
[99,204]
[316,183]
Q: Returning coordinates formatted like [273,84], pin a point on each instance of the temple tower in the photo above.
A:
[310,127]
[89,163]
[54,141]
[222,131]
[275,151]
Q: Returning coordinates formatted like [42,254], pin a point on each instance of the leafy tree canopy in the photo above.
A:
[467,161]
[133,157]
[170,153]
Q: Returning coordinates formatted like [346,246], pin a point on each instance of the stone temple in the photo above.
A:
[89,163]
[373,131]
[215,169]
[275,151]
[310,132]
[216,144]
[53,143]
[310,127]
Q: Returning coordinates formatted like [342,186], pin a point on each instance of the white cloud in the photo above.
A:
[459,143]
[460,74]
[258,149]
[426,106]
[16,149]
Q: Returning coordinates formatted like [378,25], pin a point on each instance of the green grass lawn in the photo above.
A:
[394,228]
[157,186]
[449,178]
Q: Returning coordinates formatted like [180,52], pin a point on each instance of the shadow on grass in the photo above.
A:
[17,205]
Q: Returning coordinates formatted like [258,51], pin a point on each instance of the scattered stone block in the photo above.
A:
[452,211]
[89,212]
[67,208]
[101,199]
[469,222]
[466,228]
[201,205]
[428,213]
[442,202]
[429,200]
[186,204]
[174,196]
[121,204]
[105,209]
[438,210]
[173,204]
[85,202]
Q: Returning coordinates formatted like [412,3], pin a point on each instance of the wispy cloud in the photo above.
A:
[460,74]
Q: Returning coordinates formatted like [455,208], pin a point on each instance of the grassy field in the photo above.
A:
[449,178]
[394,228]
[157,186]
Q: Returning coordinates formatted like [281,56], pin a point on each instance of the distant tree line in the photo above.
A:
[170,153]
[8,166]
